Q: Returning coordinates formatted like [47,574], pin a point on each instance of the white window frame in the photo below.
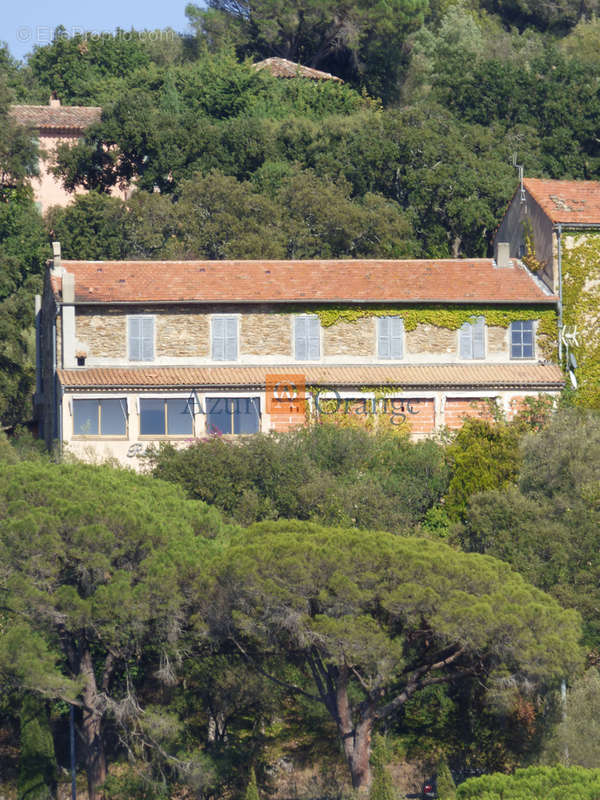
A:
[485,343]
[99,436]
[510,341]
[163,396]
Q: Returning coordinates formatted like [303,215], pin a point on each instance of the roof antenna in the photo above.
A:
[520,168]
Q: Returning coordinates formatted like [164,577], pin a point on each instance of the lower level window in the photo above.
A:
[100,417]
[165,417]
[238,415]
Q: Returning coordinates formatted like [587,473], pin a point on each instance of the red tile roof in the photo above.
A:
[443,376]
[347,281]
[567,201]
[282,68]
[72,117]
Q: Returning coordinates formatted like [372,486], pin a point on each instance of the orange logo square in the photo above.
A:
[286,393]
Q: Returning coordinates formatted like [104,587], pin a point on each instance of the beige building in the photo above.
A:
[54,125]
[135,353]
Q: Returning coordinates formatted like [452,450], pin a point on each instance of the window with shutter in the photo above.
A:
[472,339]
[141,338]
[307,338]
[224,335]
[390,337]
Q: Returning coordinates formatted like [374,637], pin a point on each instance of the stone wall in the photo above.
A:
[429,339]
[183,334]
[266,334]
[101,335]
[497,340]
[351,338]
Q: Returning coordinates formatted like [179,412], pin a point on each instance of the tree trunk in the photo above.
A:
[355,740]
[92,729]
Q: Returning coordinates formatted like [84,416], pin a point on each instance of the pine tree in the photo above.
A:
[381,783]
[252,788]
[37,764]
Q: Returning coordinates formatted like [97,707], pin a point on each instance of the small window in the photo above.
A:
[224,334]
[307,338]
[472,339]
[521,339]
[390,337]
[232,415]
[141,338]
[100,417]
[165,417]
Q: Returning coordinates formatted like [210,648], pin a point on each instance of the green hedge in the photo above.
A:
[535,783]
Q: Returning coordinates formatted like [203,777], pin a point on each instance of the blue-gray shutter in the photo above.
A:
[135,339]
[218,339]
[147,337]
[301,338]
[230,339]
[479,338]
[396,337]
[383,337]
[314,338]
[466,340]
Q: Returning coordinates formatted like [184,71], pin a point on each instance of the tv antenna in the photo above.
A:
[520,168]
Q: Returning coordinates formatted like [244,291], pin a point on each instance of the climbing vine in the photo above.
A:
[447,316]
[529,258]
[581,304]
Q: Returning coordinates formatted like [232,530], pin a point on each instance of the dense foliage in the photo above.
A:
[337,476]
[534,783]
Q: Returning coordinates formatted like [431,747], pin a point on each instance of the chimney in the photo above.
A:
[56,254]
[54,102]
[503,257]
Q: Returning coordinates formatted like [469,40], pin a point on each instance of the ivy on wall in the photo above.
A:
[581,307]
[446,316]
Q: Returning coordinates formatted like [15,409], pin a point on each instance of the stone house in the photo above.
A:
[135,353]
[54,125]
[554,227]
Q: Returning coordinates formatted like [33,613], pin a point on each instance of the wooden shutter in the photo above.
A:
[147,337]
[478,338]
[314,338]
[466,340]
[230,339]
[383,337]
[218,339]
[396,337]
[301,338]
[135,339]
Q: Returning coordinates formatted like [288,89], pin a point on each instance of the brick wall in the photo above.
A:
[459,408]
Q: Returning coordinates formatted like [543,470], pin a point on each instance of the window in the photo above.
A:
[224,333]
[472,339]
[141,338]
[307,338]
[521,339]
[166,416]
[390,335]
[100,417]
[237,415]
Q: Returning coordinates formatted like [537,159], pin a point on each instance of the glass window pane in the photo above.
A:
[112,417]
[218,415]
[179,419]
[85,417]
[152,417]
[246,414]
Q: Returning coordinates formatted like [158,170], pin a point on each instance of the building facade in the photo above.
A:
[135,353]
[554,227]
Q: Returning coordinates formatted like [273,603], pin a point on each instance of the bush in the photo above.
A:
[534,783]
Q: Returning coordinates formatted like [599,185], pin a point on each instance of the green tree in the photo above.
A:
[94,587]
[547,526]
[534,783]
[373,619]
[251,792]
[37,762]
[381,784]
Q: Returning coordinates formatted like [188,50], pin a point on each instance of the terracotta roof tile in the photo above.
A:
[282,68]
[75,117]
[409,376]
[348,281]
[567,201]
